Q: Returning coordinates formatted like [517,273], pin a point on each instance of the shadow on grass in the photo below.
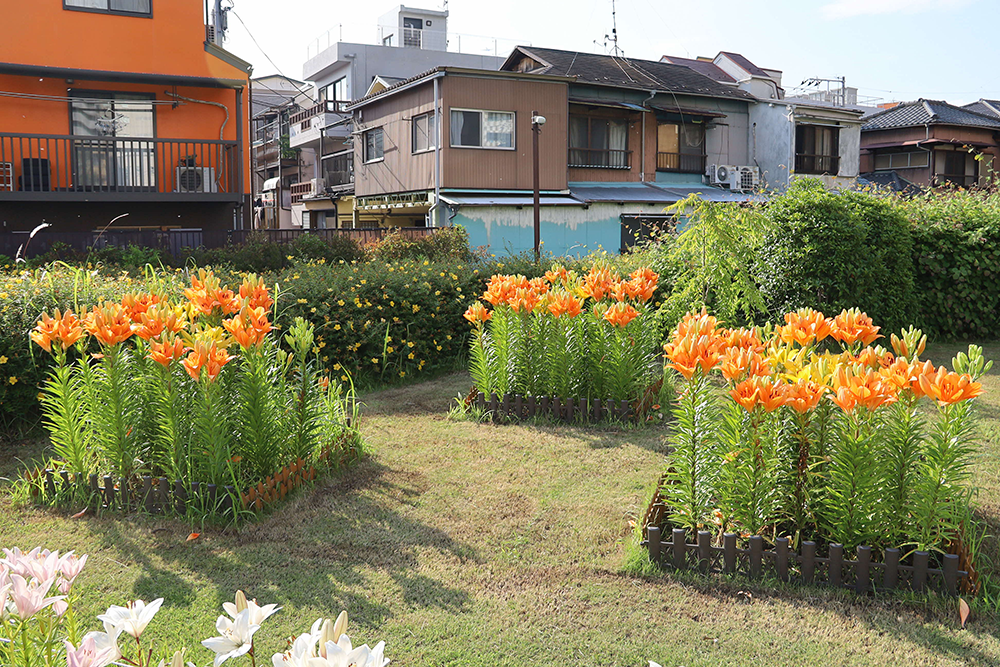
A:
[331,547]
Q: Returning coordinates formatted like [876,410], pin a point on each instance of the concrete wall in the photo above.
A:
[369,60]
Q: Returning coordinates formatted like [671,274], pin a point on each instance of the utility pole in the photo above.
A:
[536,129]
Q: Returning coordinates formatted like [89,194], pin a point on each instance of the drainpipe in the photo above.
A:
[642,172]
[432,214]
[791,146]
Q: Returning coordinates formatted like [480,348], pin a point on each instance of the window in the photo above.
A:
[335,92]
[127,7]
[817,149]
[113,146]
[339,169]
[482,129]
[598,142]
[680,147]
[373,145]
[884,161]
[424,133]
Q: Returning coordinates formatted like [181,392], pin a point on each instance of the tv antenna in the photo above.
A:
[613,37]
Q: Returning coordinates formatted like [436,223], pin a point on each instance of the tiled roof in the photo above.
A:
[927,112]
[889,180]
[709,69]
[985,107]
[627,72]
[747,66]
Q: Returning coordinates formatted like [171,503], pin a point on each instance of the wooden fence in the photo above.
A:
[518,407]
[862,575]
[160,495]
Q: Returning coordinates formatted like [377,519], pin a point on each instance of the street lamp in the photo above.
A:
[536,129]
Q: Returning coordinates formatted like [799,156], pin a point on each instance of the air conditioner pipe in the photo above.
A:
[222,130]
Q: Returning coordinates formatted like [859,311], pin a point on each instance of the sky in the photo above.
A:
[894,50]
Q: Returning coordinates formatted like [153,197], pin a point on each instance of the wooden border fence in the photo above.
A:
[863,575]
[518,407]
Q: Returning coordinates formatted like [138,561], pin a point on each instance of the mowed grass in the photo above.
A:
[473,544]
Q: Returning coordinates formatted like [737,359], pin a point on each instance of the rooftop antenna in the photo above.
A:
[614,33]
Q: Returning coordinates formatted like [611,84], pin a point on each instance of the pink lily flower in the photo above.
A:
[29,598]
[88,654]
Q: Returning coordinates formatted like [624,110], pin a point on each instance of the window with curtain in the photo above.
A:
[373,145]
[482,129]
[817,149]
[130,7]
[424,132]
[113,145]
[598,142]
[680,147]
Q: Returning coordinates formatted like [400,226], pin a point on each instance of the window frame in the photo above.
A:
[590,148]
[482,129]
[109,11]
[816,157]
[909,160]
[364,148]
[432,140]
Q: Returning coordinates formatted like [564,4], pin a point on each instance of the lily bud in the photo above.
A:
[178,660]
[325,635]
[241,601]
[340,627]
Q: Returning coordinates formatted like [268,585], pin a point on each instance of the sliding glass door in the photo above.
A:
[121,156]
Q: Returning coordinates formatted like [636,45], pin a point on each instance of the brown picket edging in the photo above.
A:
[519,407]
[862,575]
[158,495]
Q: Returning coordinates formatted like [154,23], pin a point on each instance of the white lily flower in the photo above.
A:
[132,619]
[257,613]
[235,637]
[106,640]
[343,654]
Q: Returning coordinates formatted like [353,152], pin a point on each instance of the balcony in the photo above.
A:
[681,163]
[600,158]
[47,167]
[307,125]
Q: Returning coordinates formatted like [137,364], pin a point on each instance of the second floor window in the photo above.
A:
[373,145]
[817,149]
[128,7]
[424,132]
[598,142]
[336,91]
[482,129]
[680,147]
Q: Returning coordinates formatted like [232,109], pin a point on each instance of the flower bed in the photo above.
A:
[543,338]
[821,446]
[197,392]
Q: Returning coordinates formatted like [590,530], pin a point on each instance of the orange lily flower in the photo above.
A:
[804,395]
[642,284]
[693,351]
[738,362]
[598,283]
[109,323]
[477,313]
[853,325]
[63,329]
[758,390]
[206,355]
[137,304]
[557,274]
[701,323]
[254,292]
[564,304]
[159,318]
[947,388]
[865,387]
[805,326]
[902,348]
[249,327]
[621,314]
[166,351]
[748,339]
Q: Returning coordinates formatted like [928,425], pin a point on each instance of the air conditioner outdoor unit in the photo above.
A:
[745,179]
[195,179]
[317,187]
[721,174]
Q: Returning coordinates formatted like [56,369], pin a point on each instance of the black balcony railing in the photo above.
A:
[680,162]
[42,166]
[817,164]
[600,158]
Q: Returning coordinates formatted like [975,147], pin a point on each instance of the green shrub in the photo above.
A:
[956,254]
[447,243]
[836,250]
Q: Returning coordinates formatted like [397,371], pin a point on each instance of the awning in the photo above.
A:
[632,193]
[503,199]
[270,184]
[708,193]
[667,107]
[611,104]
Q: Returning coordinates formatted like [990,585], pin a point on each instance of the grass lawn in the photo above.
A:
[472,544]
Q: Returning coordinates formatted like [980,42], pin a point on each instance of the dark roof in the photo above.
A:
[748,66]
[985,107]
[706,67]
[889,180]
[927,112]
[625,72]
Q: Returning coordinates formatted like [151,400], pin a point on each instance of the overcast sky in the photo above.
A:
[890,49]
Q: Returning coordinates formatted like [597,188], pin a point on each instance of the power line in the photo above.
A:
[257,44]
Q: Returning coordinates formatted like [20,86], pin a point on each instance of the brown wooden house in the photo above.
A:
[931,143]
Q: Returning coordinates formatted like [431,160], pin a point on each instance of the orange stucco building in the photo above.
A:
[120,106]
